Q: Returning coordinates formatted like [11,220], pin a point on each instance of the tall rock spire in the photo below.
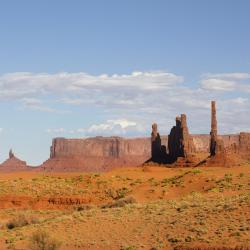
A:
[213,133]
[187,141]
[155,143]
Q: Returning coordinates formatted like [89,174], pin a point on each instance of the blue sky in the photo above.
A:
[86,68]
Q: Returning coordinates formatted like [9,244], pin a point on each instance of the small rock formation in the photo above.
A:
[187,140]
[218,154]
[13,164]
[11,154]
[155,144]
[180,143]
[175,145]
[213,133]
[216,144]
[243,149]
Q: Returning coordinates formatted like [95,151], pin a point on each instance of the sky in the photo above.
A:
[77,69]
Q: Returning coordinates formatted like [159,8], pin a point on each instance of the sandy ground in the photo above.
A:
[128,208]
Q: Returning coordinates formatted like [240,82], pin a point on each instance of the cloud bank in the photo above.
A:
[131,102]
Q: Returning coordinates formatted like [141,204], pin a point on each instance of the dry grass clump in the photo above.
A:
[84,207]
[41,240]
[120,203]
[21,220]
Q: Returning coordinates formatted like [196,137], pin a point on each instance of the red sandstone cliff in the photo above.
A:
[104,153]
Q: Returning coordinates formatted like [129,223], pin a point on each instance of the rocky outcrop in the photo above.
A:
[187,140]
[13,164]
[227,152]
[213,133]
[244,143]
[155,143]
[180,143]
[104,153]
[175,146]
[11,154]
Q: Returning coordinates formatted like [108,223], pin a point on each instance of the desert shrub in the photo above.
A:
[21,220]
[120,203]
[228,177]
[40,240]
[196,171]
[84,207]
[118,194]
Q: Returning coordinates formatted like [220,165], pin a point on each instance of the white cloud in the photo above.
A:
[24,84]
[236,76]
[218,84]
[1,130]
[117,127]
[39,105]
[140,98]
[226,82]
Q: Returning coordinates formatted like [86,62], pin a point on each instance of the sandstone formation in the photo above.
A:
[13,164]
[213,133]
[187,140]
[180,143]
[175,145]
[96,154]
[156,150]
[241,148]
[11,154]
[179,147]
[103,153]
[229,152]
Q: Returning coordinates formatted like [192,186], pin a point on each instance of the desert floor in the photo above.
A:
[128,208]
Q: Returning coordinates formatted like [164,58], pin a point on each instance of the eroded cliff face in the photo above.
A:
[115,147]
[118,147]
[104,153]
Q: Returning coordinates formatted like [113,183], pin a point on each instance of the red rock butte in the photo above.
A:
[178,149]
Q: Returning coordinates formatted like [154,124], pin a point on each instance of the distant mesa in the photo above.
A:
[178,149]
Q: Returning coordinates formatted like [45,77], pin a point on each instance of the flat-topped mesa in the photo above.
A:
[155,143]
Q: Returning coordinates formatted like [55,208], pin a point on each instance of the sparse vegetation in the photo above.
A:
[170,209]
[41,240]
[21,220]
[120,203]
